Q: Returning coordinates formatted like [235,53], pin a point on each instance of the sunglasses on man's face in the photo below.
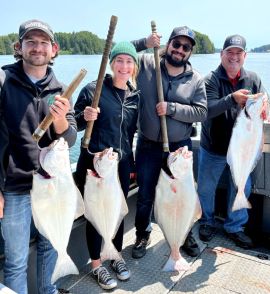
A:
[186,47]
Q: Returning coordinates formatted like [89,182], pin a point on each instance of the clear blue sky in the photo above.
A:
[215,18]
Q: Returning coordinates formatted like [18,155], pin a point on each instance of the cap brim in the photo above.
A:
[191,40]
[234,46]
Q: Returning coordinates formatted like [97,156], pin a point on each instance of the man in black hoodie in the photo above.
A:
[29,91]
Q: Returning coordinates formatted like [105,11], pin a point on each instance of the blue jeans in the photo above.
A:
[15,227]
[211,167]
[149,160]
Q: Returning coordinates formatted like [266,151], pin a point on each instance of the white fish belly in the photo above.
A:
[176,206]
[53,206]
[105,207]
[245,149]
[56,202]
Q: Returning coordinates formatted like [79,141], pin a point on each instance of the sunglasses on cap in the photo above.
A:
[176,45]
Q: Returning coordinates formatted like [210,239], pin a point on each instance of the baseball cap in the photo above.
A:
[185,32]
[35,24]
[235,41]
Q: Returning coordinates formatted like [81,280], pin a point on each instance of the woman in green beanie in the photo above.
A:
[115,126]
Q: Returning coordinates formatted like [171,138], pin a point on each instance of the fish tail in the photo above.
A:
[176,265]
[109,252]
[64,266]
[240,201]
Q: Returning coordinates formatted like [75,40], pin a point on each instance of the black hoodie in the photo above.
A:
[23,105]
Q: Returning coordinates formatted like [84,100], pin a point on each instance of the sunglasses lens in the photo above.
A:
[177,45]
[186,47]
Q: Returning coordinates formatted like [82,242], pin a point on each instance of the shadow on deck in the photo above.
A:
[220,268]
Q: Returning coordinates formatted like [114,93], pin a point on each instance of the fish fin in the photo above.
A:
[79,205]
[240,201]
[109,252]
[176,265]
[64,266]
[198,210]
[246,113]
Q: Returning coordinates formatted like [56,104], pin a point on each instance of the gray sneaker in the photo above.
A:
[104,279]
[120,267]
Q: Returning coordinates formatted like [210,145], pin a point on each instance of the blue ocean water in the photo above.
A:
[67,67]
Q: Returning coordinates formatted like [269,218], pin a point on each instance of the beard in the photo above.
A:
[175,63]
[36,60]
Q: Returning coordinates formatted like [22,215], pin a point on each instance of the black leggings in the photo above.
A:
[93,238]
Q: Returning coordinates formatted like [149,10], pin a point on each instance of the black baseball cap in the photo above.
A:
[185,32]
[235,41]
[35,24]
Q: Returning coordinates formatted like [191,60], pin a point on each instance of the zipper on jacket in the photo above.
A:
[169,88]
[120,129]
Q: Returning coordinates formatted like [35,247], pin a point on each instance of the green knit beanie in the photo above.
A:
[124,48]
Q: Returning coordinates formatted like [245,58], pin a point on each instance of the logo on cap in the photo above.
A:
[37,25]
[183,31]
[236,41]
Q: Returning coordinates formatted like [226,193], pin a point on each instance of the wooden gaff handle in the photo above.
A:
[44,125]
[163,123]
[104,61]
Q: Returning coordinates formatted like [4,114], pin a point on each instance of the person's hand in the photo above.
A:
[161,108]
[241,96]
[2,202]
[90,113]
[153,40]
[59,108]
[265,109]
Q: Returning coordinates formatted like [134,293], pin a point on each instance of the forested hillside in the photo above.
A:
[265,48]
[85,42]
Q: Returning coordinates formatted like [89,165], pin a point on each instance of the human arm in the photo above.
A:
[90,113]
[84,100]
[64,122]
[4,137]
[151,41]
[190,105]
[265,112]
[59,110]
[216,104]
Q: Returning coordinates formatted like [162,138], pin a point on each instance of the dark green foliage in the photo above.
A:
[80,43]
[70,43]
[6,44]
[203,44]
[88,43]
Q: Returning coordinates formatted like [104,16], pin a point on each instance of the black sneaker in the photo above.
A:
[190,246]
[120,267]
[104,279]
[206,232]
[241,240]
[139,248]
[62,291]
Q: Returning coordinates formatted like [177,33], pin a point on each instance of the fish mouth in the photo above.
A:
[94,174]
[105,161]
[178,161]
